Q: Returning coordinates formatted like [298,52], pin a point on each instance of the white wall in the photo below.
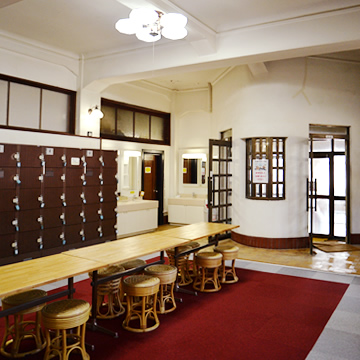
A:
[270,105]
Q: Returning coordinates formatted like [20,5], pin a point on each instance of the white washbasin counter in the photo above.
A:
[136,205]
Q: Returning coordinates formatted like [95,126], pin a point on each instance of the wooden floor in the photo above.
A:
[336,262]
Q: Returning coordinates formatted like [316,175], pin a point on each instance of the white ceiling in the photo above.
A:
[86,27]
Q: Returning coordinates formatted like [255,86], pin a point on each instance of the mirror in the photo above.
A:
[130,173]
[194,168]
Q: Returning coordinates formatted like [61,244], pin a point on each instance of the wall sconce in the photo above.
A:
[95,112]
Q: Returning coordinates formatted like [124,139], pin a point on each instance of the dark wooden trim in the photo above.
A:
[355,239]
[271,243]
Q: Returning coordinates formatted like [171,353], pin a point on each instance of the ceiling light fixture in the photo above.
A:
[95,112]
[149,25]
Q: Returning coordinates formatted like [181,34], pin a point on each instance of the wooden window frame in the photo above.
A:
[137,109]
[266,153]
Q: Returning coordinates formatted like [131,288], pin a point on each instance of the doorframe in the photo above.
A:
[311,191]
[159,177]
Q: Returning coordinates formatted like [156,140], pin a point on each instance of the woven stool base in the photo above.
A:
[207,277]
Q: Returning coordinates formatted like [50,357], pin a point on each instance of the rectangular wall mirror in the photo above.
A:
[130,184]
[193,168]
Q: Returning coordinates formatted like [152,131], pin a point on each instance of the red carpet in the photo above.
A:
[263,316]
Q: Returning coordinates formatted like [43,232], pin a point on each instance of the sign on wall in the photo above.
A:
[261,171]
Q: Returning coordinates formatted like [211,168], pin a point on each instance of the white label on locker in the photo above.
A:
[89,153]
[2,173]
[2,148]
[75,161]
[49,151]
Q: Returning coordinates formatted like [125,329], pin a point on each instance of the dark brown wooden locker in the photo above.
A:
[53,197]
[29,220]
[74,158]
[8,222]
[73,234]
[92,177]
[92,194]
[74,177]
[52,238]
[108,210]
[9,178]
[29,198]
[91,212]
[54,156]
[92,158]
[92,230]
[9,154]
[53,217]
[109,193]
[6,248]
[109,176]
[74,215]
[109,158]
[8,200]
[53,177]
[28,242]
[108,228]
[31,156]
[31,177]
[74,196]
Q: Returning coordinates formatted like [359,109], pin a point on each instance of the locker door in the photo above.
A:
[6,249]
[30,177]
[91,194]
[74,158]
[8,177]
[52,238]
[109,176]
[31,156]
[7,223]
[92,212]
[109,158]
[28,242]
[92,230]
[108,228]
[29,220]
[73,234]
[29,199]
[8,157]
[73,196]
[52,197]
[92,158]
[109,193]
[92,177]
[73,215]
[8,196]
[108,210]
[53,177]
[74,177]
[54,157]
[52,217]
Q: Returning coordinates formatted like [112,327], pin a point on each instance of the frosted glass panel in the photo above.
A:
[125,124]
[141,126]
[321,145]
[321,174]
[339,175]
[3,101]
[339,144]
[321,217]
[54,112]
[157,128]
[108,121]
[340,218]
[24,106]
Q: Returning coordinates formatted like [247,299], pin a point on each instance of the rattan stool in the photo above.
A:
[229,252]
[133,264]
[207,278]
[182,265]
[57,318]
[167,275]
[109,303]
[192,264]
[21,329]
[141,296]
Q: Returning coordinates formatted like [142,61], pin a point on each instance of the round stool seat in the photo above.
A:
[141,297]
[20,329]
[65,314]
[110,270]
[193,244]
[207,279]
[65,324]
[182,264]
[229,252]
[166,273]
[132,264]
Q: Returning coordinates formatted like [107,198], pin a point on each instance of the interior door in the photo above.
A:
[220,181]
[328,187]
[153,179]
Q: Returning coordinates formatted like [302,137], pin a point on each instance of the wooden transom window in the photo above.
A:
[265,168]
[132,123]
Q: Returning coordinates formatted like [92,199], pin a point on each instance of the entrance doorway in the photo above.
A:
[153,179]
[328,184]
